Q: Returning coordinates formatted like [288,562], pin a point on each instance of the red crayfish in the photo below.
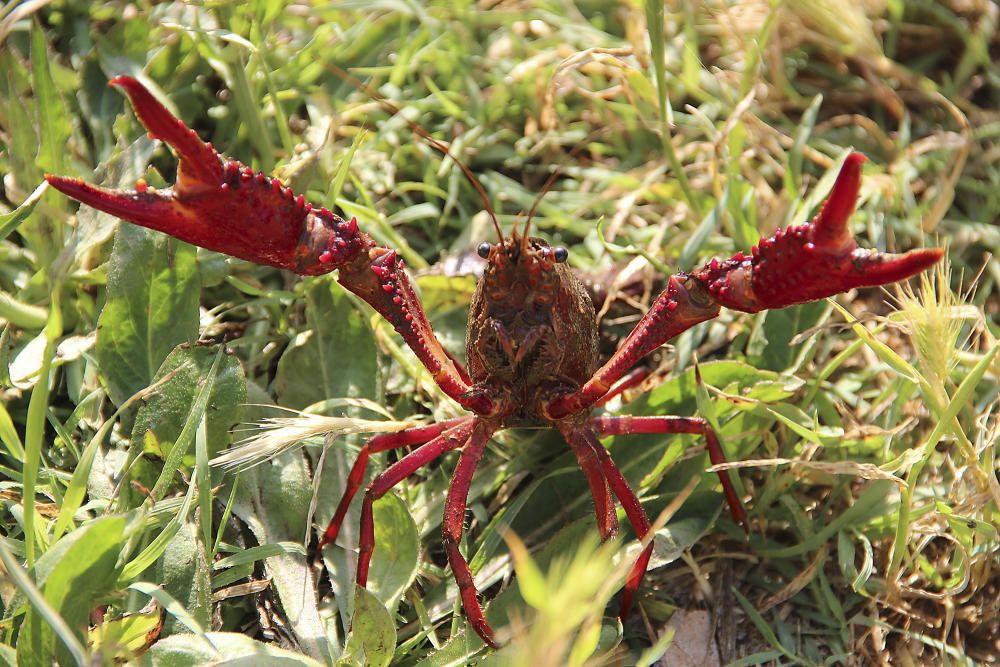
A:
[531,346]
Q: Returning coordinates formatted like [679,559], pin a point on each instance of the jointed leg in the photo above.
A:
[583,437]
[604,504]
[627,424]
[632,379]
[379,443]
[451,439]
[454,522]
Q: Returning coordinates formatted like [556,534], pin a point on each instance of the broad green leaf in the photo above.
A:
[397,551]
[27,591]
[152,306]
[677,395]
[73,575]
[183,571]
[334,358]
[238,649]
[163,415]
[682,532]
[196,413]
[126,637]
[372,641]
[776,352]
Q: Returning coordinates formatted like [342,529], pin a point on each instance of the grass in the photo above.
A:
[864,428]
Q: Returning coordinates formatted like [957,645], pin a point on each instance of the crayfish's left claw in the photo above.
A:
[221,204]
[811,261]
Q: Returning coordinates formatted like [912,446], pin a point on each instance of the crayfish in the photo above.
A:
[532,339]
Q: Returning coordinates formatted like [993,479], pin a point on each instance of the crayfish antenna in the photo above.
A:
[434,143]
[556,173]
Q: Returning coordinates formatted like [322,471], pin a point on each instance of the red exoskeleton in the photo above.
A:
[532,334]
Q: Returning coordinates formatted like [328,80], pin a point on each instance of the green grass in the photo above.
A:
[866,433]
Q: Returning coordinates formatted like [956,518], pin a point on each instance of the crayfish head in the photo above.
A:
[532,322]
[531,268]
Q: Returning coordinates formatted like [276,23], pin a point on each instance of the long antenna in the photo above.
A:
[556,173]
[436,144]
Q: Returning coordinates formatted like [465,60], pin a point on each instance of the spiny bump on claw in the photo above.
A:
[387,267]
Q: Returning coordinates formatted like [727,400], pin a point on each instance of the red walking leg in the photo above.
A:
[581,437]
[453,438]
[604,504]
[379,443]
[633,379]
[454,522]
[628,424]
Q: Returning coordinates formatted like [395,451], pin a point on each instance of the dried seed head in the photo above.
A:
[278,435]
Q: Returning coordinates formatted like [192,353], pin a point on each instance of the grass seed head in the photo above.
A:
[278,435]
[934,317]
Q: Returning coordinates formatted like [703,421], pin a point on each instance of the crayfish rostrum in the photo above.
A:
[532,336]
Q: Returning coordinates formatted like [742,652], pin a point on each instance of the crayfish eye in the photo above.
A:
[560,254]
[484,250]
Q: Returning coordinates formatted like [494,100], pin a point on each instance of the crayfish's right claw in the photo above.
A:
[221,204]
[811,261]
